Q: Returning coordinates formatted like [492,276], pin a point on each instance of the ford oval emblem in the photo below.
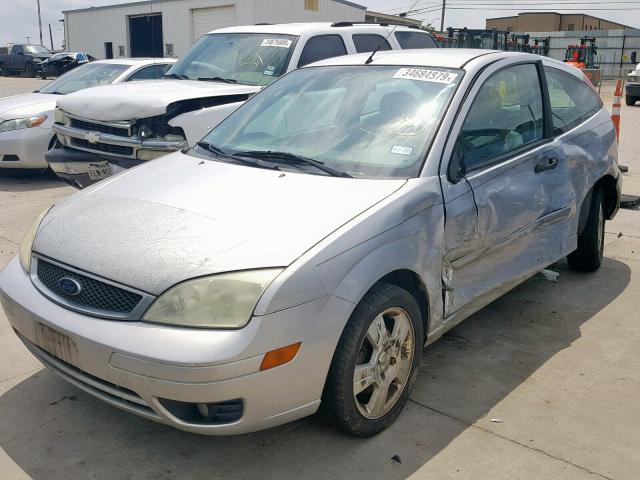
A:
[69,286]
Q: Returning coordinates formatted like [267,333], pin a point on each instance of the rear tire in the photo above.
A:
[588,255]
[378,353]
[630,100]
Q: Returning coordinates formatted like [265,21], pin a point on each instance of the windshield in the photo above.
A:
[253,59]
[36,49]
[366,121]
[85,76]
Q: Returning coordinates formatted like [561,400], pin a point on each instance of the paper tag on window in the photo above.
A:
[426,75]
[401,150]
[276,42]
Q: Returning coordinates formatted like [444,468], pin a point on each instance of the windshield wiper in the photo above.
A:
[175,75]
[291,158]
[221,153]
[217,79]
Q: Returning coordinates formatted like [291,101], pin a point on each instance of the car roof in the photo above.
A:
[137,61]
[444,58]
[309,27]
[426,57]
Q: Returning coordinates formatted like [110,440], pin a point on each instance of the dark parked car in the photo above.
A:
[62,63]
[24,59]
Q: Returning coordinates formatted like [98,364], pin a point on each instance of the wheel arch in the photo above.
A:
[411,282]
[608,185]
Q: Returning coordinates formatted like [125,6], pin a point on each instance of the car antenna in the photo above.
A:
[370,59]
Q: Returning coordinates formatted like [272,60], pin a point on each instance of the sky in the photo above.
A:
[20,16]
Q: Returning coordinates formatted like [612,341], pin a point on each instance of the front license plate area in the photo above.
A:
[57,344]
[99,170]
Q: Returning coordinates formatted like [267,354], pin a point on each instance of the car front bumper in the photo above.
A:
[140,367]
[72,165]
[25,148]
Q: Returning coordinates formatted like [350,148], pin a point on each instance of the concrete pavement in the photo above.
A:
[542,384]
[15,85]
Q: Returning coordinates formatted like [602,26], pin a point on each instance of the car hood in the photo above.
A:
[180,217]
[133,100]
[26,104]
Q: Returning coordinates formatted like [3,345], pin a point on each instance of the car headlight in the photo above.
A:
[27,242]
[59,116]
[20,123]
[632,78]
[217,301]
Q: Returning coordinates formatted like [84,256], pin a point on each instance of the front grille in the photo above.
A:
[94,294]
[103,147]
[98,127]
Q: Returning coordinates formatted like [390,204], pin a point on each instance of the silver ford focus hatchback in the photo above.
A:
[301,255]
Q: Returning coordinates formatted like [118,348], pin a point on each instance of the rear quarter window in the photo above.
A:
[572,100]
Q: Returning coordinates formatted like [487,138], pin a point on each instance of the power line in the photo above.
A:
[507,3]
[571,9]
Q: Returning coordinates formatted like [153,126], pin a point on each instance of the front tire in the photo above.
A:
[4,71]
[588,256]
[30,70]
[375,363]
[630,100]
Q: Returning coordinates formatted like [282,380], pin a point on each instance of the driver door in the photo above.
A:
[508,216]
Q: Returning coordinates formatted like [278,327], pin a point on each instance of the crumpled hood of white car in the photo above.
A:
[129,101]
[180,217]
[26,105]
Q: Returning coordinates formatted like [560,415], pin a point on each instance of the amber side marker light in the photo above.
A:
[278,357]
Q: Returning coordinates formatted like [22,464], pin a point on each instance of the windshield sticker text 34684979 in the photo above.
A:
[426,75]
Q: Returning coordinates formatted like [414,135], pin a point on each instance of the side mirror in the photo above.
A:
[20,53]
[457,166]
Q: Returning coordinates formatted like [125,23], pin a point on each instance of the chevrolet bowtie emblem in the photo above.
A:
[92,137]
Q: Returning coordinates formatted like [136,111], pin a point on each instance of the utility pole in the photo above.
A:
[444,8]
[51,36]
[40,22]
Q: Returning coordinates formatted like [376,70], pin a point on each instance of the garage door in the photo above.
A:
[203,20]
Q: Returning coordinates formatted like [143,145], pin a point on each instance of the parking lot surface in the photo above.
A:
[542,384]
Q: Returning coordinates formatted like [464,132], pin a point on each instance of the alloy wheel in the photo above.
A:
[383,364]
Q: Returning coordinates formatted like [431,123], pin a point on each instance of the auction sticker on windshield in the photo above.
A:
[426,75]
[276,42]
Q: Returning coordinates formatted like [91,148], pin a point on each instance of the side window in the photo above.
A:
[572,100]
[506,115]
[366,42]
[415,40]
[321,47]
[146,73]
[160,70]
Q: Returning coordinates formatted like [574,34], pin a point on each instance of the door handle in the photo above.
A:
[548,164]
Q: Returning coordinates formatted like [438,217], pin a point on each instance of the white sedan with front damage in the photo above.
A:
[26,119]
[300,256]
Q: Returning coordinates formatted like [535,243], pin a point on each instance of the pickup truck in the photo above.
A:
[107,129]
[24,59]
[632,90]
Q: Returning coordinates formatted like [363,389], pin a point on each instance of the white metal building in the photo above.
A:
[169,27]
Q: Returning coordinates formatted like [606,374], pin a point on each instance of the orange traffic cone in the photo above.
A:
[617,104]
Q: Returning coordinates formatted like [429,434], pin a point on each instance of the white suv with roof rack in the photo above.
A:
[107,129]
